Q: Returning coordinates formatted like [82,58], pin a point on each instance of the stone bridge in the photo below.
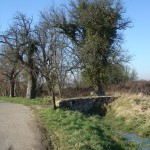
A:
[88,105]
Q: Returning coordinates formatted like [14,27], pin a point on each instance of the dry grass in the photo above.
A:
[137,104]
[134,109]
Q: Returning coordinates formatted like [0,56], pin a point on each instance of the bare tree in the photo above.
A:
[10,69]
[20,40]
[4,85]
[55,57]
[47,40]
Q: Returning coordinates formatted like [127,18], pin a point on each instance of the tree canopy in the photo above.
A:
[95,27]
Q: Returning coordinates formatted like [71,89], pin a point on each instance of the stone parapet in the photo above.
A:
[87,104]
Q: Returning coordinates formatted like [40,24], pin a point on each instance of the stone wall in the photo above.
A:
[86,105]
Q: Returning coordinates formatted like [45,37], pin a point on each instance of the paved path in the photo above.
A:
[18,130]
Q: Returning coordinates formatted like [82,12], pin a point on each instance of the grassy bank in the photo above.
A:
[130,113]
[73,130]
[28,102]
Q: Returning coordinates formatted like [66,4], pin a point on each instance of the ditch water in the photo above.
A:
[143,143]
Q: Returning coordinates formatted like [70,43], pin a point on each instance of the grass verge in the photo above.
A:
[130,113]
[28,102]
[74,131]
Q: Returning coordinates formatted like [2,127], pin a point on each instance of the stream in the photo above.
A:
[143,143]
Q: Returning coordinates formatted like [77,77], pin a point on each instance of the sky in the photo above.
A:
[136,39]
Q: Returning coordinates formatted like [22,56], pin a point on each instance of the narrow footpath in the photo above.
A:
[18,130]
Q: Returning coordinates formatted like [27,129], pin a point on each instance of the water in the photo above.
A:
[144,143]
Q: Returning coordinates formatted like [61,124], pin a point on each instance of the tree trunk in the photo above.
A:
[60,91]
[99,90]
[6,93]
[51,92]
[12,88]
[54,100]
[31,86]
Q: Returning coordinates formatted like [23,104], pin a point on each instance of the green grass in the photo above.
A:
[28,102]
[74,131]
